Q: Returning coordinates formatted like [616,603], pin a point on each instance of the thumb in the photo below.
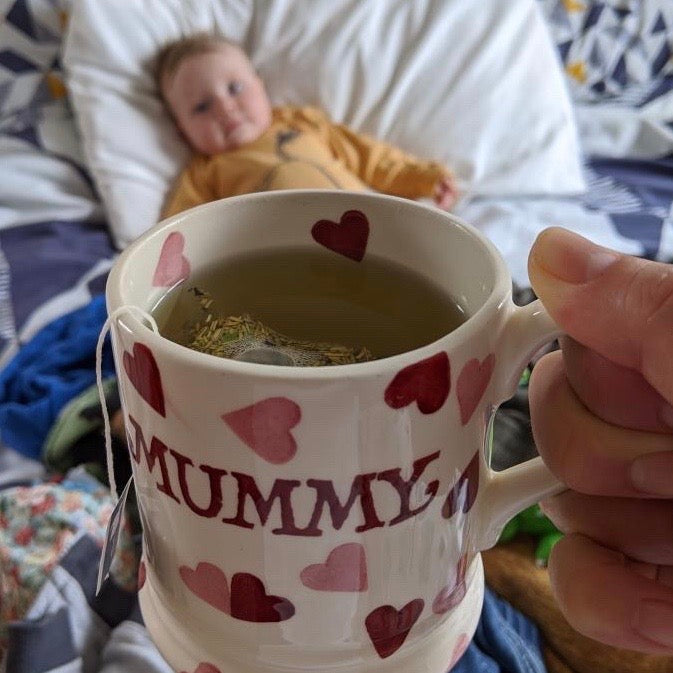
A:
[618,305]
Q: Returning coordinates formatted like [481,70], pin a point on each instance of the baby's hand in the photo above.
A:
[445,193]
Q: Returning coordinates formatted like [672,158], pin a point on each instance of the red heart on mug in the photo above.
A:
[344,570]
[209,583]
[464,491]
[142,575]
[388,628]
[471,384]
[251,603]
[265,427]
[206,668]
[427,382]
[143,372]
[172,266]
[348,237]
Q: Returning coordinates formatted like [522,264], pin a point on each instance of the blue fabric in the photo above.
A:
[60,254]
[56,365]
[505,642]
[636,198]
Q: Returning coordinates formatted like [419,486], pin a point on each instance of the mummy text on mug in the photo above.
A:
[168,465]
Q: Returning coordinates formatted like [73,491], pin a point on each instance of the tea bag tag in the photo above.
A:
[114,528]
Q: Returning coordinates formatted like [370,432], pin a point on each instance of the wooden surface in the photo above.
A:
[511,572]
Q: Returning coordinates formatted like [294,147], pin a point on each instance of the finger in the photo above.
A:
[607,598]
[583,451]
[641,529]
[614,393]
[617,305]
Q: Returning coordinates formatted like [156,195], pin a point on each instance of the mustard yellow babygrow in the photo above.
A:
[303,149]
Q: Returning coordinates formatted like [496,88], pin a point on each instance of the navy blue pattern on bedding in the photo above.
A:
[637,197]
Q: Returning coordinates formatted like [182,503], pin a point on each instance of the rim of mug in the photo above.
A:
[499,295]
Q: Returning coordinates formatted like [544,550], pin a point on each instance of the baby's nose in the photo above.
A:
[225,105]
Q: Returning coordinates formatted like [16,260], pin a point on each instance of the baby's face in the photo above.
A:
[217,100]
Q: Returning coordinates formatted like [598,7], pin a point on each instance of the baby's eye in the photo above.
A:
[203,106]
[235,88]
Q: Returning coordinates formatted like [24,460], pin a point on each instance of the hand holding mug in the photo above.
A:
[602,412]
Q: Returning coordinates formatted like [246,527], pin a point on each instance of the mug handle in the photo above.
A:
[504,494]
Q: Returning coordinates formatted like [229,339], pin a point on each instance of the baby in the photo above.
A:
[243,145]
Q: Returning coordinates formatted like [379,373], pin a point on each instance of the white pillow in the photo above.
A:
[475,85]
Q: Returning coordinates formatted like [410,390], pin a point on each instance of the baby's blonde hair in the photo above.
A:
[174,53]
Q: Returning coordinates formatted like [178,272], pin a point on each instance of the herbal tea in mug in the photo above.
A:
[309,306]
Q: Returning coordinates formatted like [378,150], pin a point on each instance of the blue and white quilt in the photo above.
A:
[54,245]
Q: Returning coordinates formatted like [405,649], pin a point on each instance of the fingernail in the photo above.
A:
[570,257]
[654,620]
[652,473]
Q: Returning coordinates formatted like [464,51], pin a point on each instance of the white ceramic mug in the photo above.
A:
[321,519]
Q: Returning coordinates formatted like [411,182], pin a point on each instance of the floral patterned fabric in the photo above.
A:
[39,524]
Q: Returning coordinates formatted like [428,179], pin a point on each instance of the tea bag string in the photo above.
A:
[109,458]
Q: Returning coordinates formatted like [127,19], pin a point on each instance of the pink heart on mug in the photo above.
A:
[344,570]
[143,373]
[464,491]
[172,266]
[452,594]
[142,575]
[459,650]
[205,668]
[348,237]
[448,598]
[388,628]
[265,427]
[427,383]
[472,382]
[209,583]
[251,603]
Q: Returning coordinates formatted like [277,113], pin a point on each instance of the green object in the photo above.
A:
[533,521]
[509,531]
[72,424]
[525,377]
[544,547]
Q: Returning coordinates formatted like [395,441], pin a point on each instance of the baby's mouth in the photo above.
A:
[231,126]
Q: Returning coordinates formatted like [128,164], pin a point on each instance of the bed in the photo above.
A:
[550,112]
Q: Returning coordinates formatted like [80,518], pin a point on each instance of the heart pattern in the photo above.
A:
[251,603]
[427,383]
[464,491]
[143,373]
[205,668]
[472,382]
[348,237]
[265,427]
[388,628]
[209,583]
[452,594]
[172,266]
[247,599]
[459,649]
[344,570]
[142,575]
